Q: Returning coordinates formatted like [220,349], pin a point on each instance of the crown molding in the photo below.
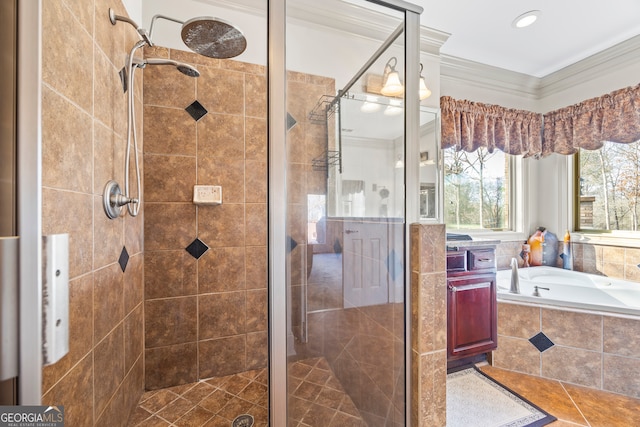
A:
[618,56]
[458,70]
[431,40]
[346,17]
[356,20]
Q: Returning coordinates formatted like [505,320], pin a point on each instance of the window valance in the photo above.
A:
[613,117]
[468,125]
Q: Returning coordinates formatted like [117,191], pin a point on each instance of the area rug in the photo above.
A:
[477,400]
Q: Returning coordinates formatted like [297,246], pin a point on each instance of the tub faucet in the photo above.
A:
[515,281]
[536,289]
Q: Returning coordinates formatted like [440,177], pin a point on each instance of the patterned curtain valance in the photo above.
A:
[613,117]
[470,125]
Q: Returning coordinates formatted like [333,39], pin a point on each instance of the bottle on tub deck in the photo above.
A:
[525,254]
[566,252]
[544,248]
[535,247]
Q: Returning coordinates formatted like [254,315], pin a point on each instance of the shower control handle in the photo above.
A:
[121,200]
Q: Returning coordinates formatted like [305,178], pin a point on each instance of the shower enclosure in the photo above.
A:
[343,183]
[346,156]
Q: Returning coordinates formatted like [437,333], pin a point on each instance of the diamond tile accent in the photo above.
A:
[292,244]
[124,259]
[197,248]
[123,78]
[196,110]
[291,122]
[541,342]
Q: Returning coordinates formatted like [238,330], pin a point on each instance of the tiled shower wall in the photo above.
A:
[205,266]
[101,379]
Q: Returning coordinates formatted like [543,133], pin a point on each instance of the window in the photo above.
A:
[609,187]
[477,190]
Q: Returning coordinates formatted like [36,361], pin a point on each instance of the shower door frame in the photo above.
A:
[29,199]
[277,196]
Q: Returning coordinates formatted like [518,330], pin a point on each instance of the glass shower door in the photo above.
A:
[345,215]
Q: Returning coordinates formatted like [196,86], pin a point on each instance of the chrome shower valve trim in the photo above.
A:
[113,200]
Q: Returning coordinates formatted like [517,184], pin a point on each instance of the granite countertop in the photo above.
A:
[471,243]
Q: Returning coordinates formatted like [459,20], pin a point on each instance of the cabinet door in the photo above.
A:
[472,315]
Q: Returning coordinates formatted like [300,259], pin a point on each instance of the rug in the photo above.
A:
[477,400]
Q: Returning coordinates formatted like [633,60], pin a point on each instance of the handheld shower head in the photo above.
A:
[186,69]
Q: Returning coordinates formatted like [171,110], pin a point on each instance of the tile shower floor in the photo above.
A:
[318,400]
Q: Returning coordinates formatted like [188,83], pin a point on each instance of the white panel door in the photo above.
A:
[365,257]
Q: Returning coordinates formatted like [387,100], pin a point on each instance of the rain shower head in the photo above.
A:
[186,69]
[209,36]
[213,37]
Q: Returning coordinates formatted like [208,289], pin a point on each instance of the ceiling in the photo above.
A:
[566,31]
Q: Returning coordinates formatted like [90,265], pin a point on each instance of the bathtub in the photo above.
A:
[571,289]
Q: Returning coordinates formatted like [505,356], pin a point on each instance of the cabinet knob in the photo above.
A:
[453,288]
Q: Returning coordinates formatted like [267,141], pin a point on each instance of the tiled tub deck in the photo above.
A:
[591,349]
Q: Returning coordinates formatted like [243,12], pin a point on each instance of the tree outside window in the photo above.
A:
[476,189]
[609,187]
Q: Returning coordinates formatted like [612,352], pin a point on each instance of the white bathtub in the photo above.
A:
[572,289]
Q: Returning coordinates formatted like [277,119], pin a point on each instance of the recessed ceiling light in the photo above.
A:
[526,19]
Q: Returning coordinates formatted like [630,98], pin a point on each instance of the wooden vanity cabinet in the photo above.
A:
[472,327]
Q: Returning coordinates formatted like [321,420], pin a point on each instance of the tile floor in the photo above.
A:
[572,405]
[318,400]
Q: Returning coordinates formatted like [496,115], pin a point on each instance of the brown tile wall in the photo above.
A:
[429,325]
[101,379]
[204,317]
[592,350]
[306,141]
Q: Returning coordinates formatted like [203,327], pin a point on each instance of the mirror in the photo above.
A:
[365,179]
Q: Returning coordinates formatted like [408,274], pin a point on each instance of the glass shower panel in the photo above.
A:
[345,215]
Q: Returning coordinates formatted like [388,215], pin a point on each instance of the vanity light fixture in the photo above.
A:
[391,84]
[399,163]
[394,108]
[370,105]
[526,19]
[424,90]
